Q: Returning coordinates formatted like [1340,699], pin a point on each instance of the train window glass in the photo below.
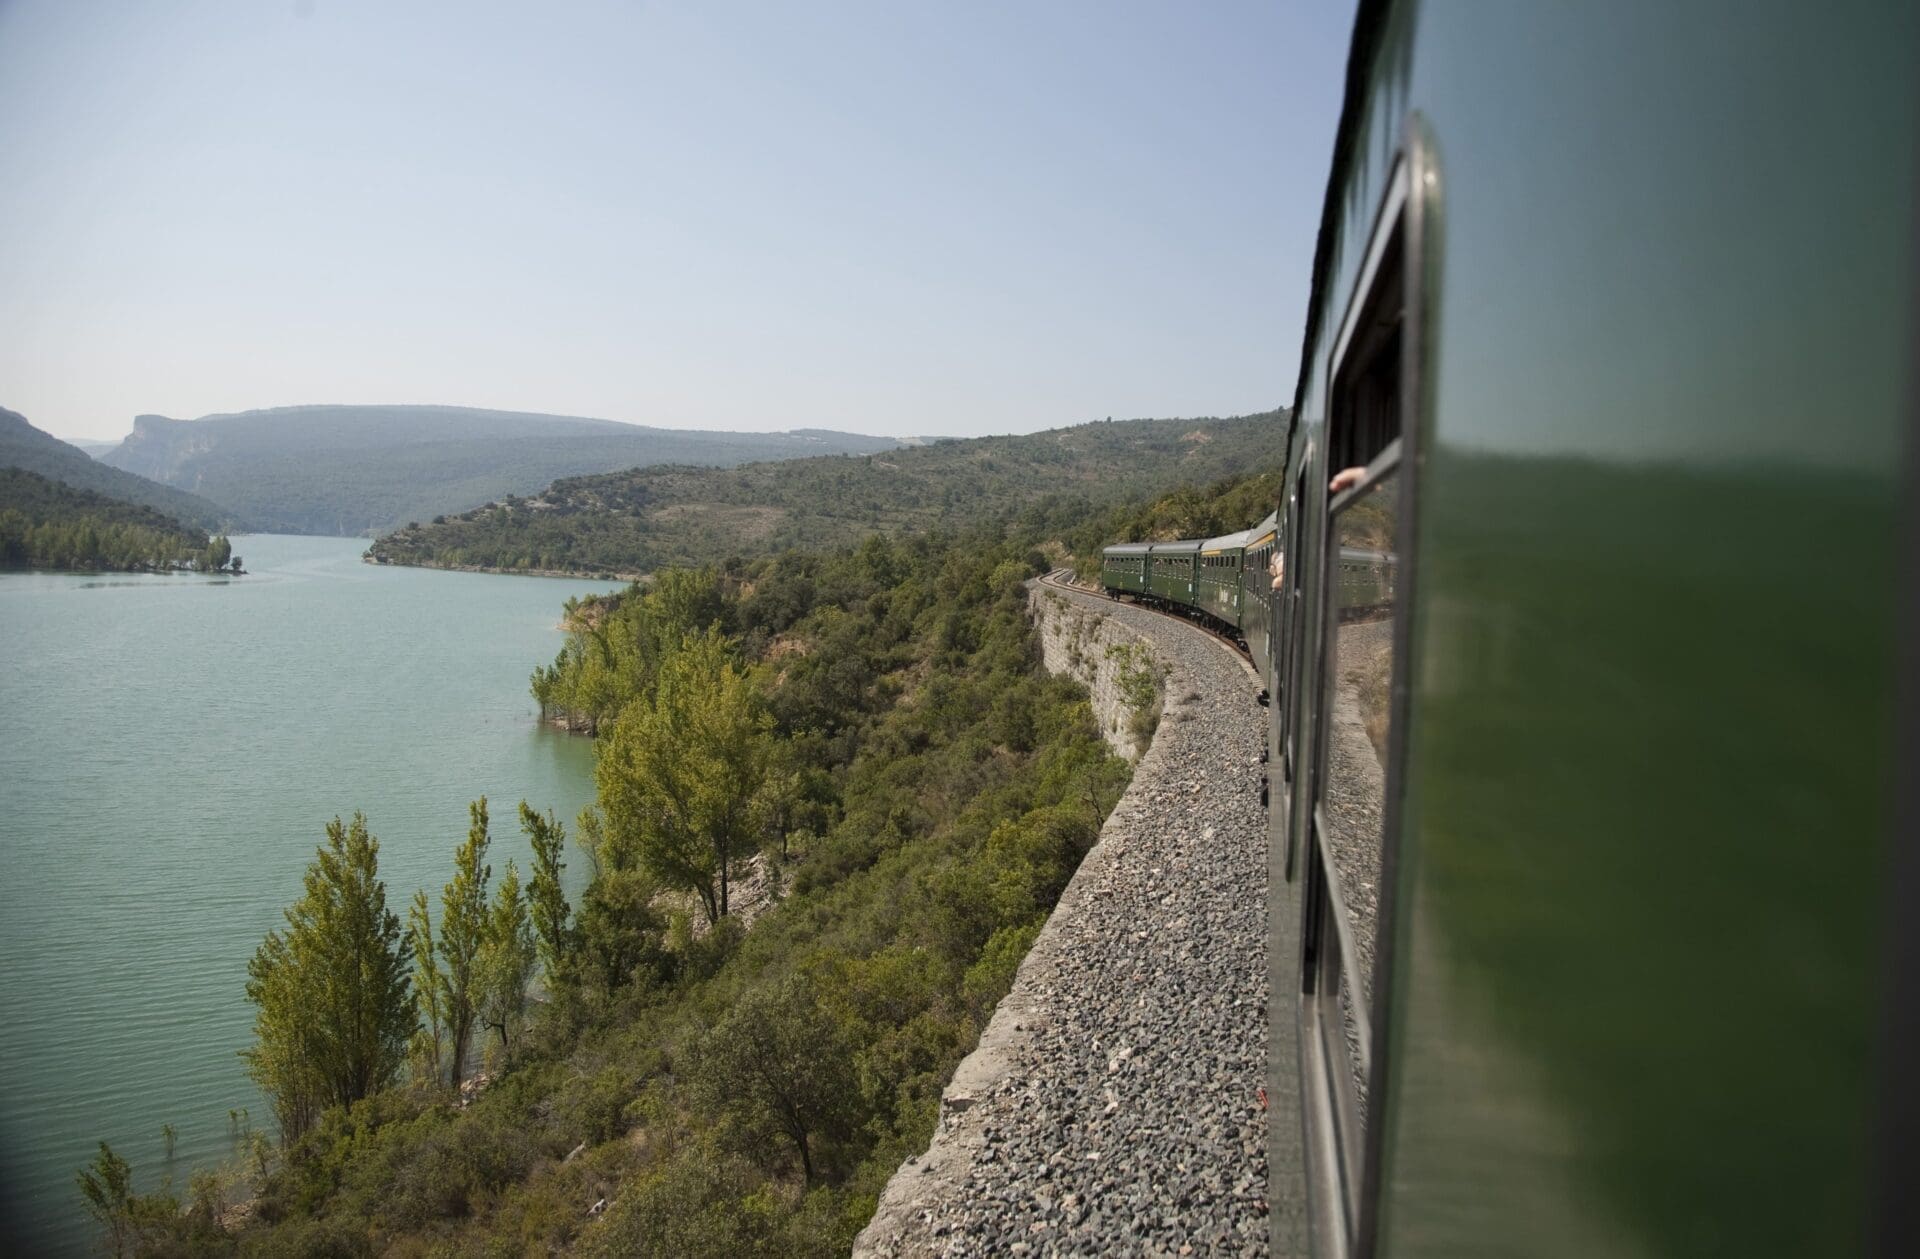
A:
[1348,766]
[1366,393]
[1357,719]
[1351,790]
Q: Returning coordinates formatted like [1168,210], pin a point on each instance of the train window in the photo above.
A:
[1366,393]
[1357,711]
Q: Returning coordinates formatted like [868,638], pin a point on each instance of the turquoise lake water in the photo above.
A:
[171,749]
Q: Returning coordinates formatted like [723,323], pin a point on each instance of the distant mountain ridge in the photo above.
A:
[646,518]
[350,469]
[26,447]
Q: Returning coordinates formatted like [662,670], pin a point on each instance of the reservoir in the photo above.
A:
[171,749]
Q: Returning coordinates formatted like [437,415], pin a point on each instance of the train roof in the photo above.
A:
[1227,542]
[1186,546]
[1264,531]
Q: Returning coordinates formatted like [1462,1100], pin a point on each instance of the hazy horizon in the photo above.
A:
[751,217]
[903,436]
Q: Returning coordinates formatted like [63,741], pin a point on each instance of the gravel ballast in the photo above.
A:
[1114,1103]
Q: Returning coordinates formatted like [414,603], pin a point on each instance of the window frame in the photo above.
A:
[1344,1174]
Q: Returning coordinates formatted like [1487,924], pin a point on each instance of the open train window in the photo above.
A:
[1354,745]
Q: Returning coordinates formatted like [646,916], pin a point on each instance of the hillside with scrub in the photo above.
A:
[646,519]
[837,797]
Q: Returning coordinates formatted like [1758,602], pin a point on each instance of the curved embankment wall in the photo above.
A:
[1114,1103]
[1100,653]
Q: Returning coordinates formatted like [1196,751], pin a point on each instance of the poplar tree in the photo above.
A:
[463,937]
[558,940]
[334,1012]
[428,993]
[508,956]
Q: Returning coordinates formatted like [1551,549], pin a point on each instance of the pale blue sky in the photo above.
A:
[896,218]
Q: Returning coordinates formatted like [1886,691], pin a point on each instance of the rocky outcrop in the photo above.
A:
[1104,655]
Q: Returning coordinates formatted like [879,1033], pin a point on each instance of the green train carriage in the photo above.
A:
[1256,591]
[1171,575]
[1591,919]
[1217,585]
[1124,568]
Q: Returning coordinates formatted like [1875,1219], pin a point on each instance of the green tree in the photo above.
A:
[507,961]
[683,775]
[334,1014]
[780,1066]
[464,924]
[429,993]
[107,1185]
[546,898]
[620,931]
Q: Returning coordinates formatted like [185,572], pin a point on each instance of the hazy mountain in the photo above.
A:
[360,469]
[24,446]
[88,446]
[643,519]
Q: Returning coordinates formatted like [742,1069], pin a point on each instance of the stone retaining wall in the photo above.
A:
[1093,648]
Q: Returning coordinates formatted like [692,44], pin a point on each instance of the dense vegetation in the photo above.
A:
[26,447]
[866,731]
[650,518]
[52,525]
[362,469]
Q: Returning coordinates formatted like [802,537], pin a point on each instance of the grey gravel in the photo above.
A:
[1114,1105]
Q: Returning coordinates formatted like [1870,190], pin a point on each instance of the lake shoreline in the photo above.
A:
[566,574]
[264,705]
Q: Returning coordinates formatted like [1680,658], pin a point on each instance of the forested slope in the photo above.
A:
[360,469]
[26,447]
[50,524]
[648,518]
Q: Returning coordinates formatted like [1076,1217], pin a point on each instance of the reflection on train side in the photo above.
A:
[1350,805]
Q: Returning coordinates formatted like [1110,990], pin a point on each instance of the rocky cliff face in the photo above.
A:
[158,449]
[1105,657]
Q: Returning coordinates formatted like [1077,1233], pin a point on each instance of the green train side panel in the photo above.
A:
[1635,971]
[1219,588]
[1172,583]
[1255,590]
[1122,573]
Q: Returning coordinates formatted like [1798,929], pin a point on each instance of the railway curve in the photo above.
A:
[1115,1103]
